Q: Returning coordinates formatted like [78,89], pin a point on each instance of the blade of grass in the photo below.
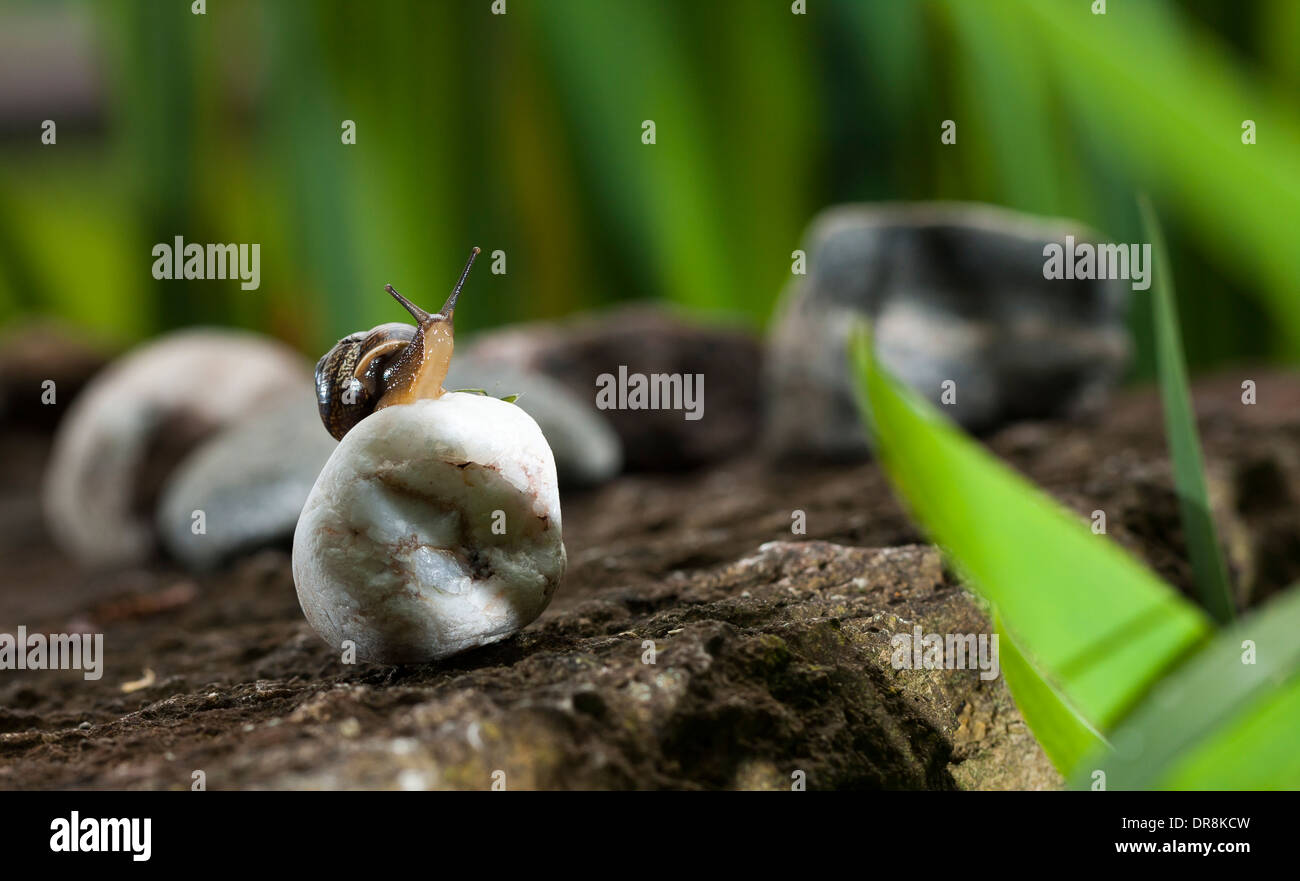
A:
[1217,710]
[1063,734]
[1000,58]
[664,201]
[1248,754]
[313,171]
[1180,428]
[1094,621]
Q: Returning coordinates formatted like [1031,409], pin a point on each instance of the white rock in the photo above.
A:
[192,381]
[587,449]
[396,550]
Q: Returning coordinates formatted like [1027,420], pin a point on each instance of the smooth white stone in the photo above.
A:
[395,548]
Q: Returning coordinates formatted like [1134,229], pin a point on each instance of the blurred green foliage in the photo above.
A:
[523,133]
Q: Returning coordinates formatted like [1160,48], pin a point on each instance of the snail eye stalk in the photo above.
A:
[450,306]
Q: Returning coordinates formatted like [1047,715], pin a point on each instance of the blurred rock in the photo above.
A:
[138,418]
[250,481]
[32,353]
[646,340]
[587,451]
[954,292]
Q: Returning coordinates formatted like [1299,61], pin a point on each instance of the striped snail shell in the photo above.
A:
[350,376]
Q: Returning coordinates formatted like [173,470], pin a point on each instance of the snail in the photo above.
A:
[434,526]
[390,364]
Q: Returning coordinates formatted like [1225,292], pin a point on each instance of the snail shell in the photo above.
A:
[350,377]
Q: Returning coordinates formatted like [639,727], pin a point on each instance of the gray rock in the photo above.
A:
[39,350]
[587,451]
[249,481]
[954,292]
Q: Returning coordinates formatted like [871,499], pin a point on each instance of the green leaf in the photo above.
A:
[1063,734]
[1217,722]
[509,399]
[1248,754]
[1180,428]
[1097,624]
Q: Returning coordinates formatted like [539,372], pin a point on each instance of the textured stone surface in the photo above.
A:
[776,663]
[433,528]
[953,292]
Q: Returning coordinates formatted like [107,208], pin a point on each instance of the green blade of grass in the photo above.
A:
[1217,721]
[1180,428]
[1248,754]
[1096,623]
[1063,734]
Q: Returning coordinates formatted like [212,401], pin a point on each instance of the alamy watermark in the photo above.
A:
[56,651]
[654,391]
[78,834]
[1084,260]
[215,261]
[946,651]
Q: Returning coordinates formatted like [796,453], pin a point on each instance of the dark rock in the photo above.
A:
[32,354]
[774,664]
[953,292]
[647,340]
[770,646]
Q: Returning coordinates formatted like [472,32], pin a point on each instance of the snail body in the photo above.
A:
[435,525]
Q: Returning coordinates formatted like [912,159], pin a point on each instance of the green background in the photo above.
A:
[523,133]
